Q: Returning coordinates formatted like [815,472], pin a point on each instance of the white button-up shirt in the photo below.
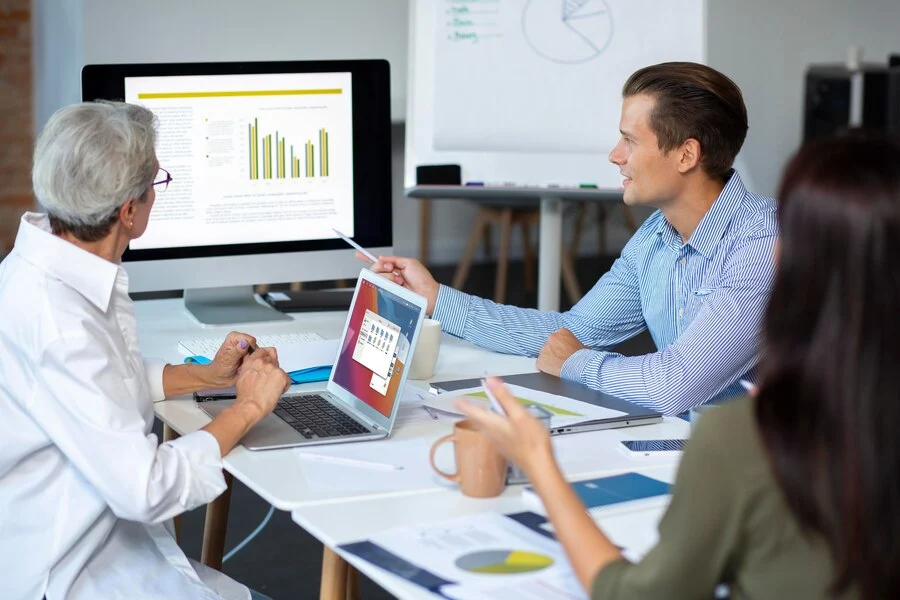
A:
[85,488]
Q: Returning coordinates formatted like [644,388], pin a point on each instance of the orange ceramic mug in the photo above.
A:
[480,469]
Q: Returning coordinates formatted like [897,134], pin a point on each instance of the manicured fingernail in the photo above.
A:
[243,344]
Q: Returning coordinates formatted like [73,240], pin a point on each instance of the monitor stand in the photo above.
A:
[228,305]
[310,300]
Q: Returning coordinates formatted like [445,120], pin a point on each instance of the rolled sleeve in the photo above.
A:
[94,416]
[451,308]
[580,363]
[204,479]
[154,368]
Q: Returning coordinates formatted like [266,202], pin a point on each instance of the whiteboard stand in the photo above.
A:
[550,253]
[550,240]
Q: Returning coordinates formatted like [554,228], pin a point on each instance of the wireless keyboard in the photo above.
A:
[209,346]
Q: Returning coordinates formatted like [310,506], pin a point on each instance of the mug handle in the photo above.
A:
[451,476]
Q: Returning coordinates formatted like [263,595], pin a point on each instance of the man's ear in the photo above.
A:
[690,155]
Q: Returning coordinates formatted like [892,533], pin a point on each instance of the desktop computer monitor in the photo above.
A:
[267,159]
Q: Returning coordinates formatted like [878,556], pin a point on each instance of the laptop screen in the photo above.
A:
[375,348]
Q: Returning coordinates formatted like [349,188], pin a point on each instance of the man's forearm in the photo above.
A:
[497,327]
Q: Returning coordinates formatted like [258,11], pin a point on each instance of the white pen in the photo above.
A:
[747,385]
[494,402]
[353,462]
[357,246]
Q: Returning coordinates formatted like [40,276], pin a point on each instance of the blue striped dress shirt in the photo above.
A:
[702,302]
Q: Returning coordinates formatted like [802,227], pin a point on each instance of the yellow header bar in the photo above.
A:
[164,95]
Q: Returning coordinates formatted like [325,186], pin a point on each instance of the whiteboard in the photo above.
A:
[529,91]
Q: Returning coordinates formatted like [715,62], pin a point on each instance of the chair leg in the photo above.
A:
[503,256]
[528,254]
[486,241]
[570,279]
[214,528]
[580,212]
[601,229]
[462,269]
[629,218]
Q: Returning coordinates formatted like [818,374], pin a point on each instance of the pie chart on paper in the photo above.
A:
[567,31]
[503,562]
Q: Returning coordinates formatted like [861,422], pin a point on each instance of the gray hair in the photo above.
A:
[93,157]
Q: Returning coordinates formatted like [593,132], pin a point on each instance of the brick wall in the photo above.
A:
[16,124]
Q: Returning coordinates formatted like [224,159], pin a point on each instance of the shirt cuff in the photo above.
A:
[154,367]
[451,308]
[205,481]
[575,366]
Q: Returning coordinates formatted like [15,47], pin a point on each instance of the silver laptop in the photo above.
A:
[361,398]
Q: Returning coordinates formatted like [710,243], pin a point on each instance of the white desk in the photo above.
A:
[161,323]
[334,525]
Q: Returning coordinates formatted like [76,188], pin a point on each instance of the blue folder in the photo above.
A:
[604,491]
[307,375]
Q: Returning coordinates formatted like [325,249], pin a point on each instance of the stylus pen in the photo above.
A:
[495,404]
[357,246]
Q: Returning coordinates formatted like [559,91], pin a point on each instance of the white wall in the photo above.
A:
[238,30]
[56,28]
[764,46]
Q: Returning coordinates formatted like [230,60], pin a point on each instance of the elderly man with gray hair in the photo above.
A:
[87,493]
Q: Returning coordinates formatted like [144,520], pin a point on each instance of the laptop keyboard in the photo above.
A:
[314,417]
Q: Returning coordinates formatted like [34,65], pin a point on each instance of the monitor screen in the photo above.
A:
[266,160]
[255,158]
[375,348]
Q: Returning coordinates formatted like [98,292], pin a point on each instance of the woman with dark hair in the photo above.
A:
[794,493]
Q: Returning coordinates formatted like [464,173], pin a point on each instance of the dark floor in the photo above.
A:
[284,561]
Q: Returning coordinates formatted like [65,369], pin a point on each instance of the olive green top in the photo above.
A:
[728,523]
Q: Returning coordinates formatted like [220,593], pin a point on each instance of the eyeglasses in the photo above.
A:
[164,182]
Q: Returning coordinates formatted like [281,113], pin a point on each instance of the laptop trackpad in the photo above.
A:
[268,433]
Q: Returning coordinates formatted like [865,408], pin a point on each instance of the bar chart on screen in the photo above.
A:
[268,148]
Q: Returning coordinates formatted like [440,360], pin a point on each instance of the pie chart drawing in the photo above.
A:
[567,31]
[503,562]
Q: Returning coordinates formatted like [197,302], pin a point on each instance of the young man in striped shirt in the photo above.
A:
[696,274]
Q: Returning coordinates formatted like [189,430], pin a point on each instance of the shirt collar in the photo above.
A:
[716,220]
[88,274]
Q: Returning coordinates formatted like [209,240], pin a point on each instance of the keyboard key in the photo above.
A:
[313,416]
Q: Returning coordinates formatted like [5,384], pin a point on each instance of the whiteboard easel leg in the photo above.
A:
[550,253]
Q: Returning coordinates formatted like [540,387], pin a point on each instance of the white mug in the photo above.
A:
[427,348]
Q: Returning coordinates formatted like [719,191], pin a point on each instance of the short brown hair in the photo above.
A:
[694,101]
